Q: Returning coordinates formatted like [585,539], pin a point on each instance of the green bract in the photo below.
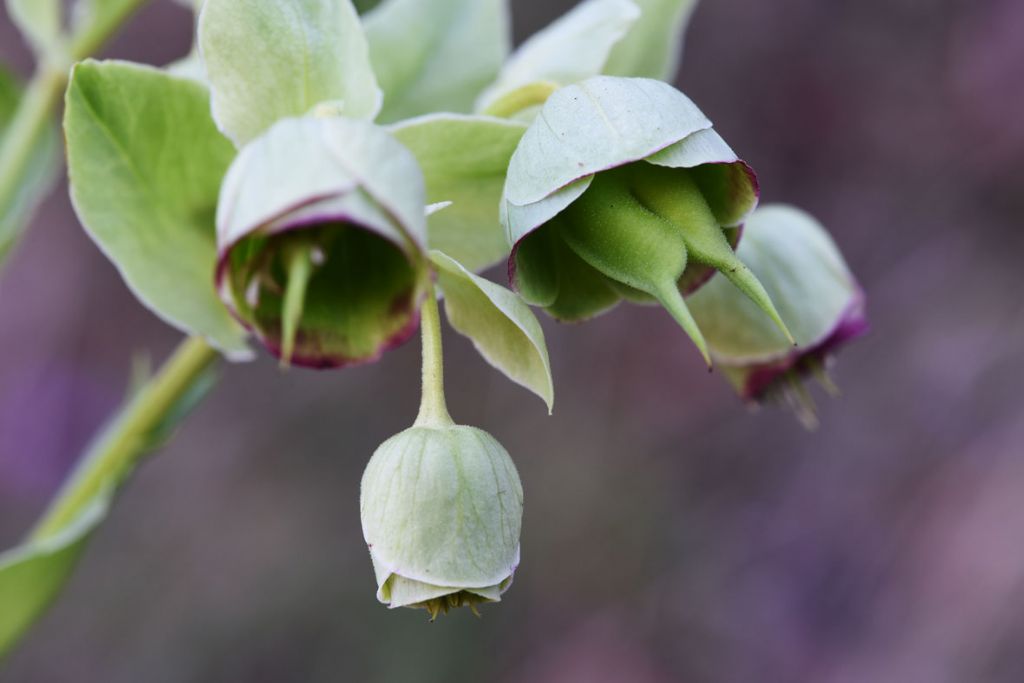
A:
[321,232]
[803,270]
[442,510]
[145,163]
[436,55]
[621,189]
[267,60]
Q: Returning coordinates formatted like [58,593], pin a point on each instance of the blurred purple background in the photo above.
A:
[669,535]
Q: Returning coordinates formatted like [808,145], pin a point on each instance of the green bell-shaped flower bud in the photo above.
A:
[321,233]
[621,189]
[804,272]
[442,508]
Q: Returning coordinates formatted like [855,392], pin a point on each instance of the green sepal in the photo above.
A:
[611,229]
[674,195]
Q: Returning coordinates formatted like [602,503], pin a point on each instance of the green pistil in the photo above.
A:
[299,271]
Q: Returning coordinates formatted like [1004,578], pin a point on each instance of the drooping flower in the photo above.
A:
[804,272]
[442,509]
[321,236]
[621,189]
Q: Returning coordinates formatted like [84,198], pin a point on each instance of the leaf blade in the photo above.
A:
[258,76]
[145,163]
[501,326]
[653,47]
[464,161]
[436,55]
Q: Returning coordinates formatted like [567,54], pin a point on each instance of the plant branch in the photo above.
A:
[129,436]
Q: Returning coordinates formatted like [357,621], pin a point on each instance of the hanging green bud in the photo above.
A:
[442,509]
[441,504]
[620,189]
[321,232]
[803,270]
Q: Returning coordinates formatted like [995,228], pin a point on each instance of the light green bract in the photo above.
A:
[442,512]
[621,189]
[267,60]
[436,55]
[803,270]
[321,230]
[145,163]
[464,160]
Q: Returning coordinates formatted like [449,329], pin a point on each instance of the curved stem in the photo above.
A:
[433,408]
[29,124]
[128,436]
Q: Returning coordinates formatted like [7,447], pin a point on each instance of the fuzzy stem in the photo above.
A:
[433,409]
[125,440]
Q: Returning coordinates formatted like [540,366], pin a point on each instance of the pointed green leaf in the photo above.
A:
[146,163]
[32,574]
[464,160]
[500,325]
[653,47]
[573,48]
[19,202]
[436,55]
[267,60]
[39,21]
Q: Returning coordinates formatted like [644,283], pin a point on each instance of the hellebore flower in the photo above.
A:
[803,270]
[442,509]
[620,189]
[321,233]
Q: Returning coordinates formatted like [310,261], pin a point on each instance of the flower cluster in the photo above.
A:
[362,168]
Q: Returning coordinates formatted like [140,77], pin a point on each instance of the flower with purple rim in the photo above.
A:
[824,306]
[321,236]
[621,189]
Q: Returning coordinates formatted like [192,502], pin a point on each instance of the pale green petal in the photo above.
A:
[574,47]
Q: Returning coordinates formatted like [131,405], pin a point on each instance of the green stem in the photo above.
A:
[42,95]
[433,409]
[31,119]
[93,36]
[126,439]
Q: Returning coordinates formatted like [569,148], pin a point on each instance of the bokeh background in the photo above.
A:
[670,535]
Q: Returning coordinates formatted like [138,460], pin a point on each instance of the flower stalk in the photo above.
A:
[433,408]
